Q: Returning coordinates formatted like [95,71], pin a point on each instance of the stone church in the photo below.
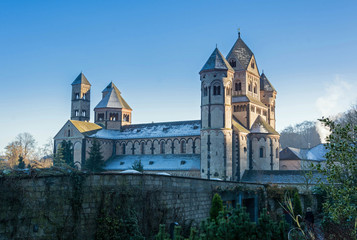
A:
[236,131]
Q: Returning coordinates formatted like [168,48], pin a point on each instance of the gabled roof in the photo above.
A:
[157,162]
[238,125]
[265,84]
[316,153]
[217,62]
[261,126]
[241,52]
[83,127]
[112,99]
[81,79]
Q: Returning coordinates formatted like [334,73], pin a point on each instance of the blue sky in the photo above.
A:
[153,51]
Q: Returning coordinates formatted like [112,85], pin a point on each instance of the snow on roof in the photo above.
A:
[317,153]
[162,162]
[152,130]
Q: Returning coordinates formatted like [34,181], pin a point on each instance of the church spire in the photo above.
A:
[216,62]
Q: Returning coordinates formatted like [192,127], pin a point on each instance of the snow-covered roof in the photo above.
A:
[217,61]
[316,153]
[162,162]
[261,126]
[112,99]
[152,130]
[241,52]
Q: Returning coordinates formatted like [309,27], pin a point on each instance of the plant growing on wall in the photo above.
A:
[95,161]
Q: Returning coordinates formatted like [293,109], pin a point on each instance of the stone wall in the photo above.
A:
[67,206]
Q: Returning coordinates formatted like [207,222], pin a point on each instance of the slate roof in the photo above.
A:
[85,126]
[241,52]
[162,162]
[238,125]
[261,126]
[153,130]
[216,62]
[265,84]
[316,153]
[280,176]
[112,99]
[81,79]
[246,98]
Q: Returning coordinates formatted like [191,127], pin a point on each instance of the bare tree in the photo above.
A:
[24,145]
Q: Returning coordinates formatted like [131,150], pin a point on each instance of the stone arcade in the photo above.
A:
[236,131]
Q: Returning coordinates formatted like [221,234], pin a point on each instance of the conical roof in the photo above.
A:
[81,79]
[112,99]
[261,126]
[216,62]
[265,84]
[241,52]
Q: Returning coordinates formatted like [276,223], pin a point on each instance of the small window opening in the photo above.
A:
[84,113]
[69,133]
[100,117]
[245,149]
[277,152]
[261,152]
[255,88]
[126,118]
[151,162]
[250,87]
[121,163]
[216,90]
[183,162]
[216,174]
[142,148]
[162,148]
[76,113]
[233,63]
[252,65]
[183,147]
[77,95]
[113,116]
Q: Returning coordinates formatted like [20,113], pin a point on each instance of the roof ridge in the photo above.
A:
[241,52]
[216,61]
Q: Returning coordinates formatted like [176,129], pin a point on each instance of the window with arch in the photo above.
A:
[183,146]
[100,116]
[216,90]
[238,86]
[162,148]
[142,148]
[113,116]
[69,133]
[252,65]
[76,113]
[233,63]
[77,96]
[83,113]
[277,152]
[126,117]
[255,88]
[123,148]
[205,91]
[84,96]
[250,87]
[262,152]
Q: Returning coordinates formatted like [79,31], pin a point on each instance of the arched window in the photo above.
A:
[255,88]
[162,148]
[183,146]
[252,65]
[142,148]
[261,152]
[205,91]
[238,86]
[84,113]
[84,96]
[77,95]
[113,117]
[216,90]
[76,113]
[69,133]
[123,148]
[126,117]
[277,152]
[233,63]
[250,87]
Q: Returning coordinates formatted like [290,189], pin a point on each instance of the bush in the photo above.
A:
[217,206]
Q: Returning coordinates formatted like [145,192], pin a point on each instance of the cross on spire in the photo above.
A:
[238,32]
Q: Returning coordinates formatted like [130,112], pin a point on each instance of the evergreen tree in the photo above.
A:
[67,153]
[217,206]
[138,166]
[297,204]
[95,161]
[21,164]
[267,228]
[162,235]
[58,160]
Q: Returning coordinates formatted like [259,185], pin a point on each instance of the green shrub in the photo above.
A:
[217,206]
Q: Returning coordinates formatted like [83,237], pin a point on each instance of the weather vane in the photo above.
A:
[239,32]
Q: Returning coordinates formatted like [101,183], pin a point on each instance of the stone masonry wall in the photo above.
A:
[67,206]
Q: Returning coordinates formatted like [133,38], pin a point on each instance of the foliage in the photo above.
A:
[217,206]
[278,193]
[138,166]
[59,157]
[267,228]
[340,171]
[21,164]
[162,235]
[68,153]
[300,135]
[95,161]
[297,204]
[24,145]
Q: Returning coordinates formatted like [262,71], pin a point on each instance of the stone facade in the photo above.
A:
[236,131]
[68,206]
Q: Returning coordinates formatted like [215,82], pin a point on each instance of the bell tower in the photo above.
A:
[80,106]
[216,116]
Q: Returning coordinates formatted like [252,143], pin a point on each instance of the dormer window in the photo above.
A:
[233,63]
